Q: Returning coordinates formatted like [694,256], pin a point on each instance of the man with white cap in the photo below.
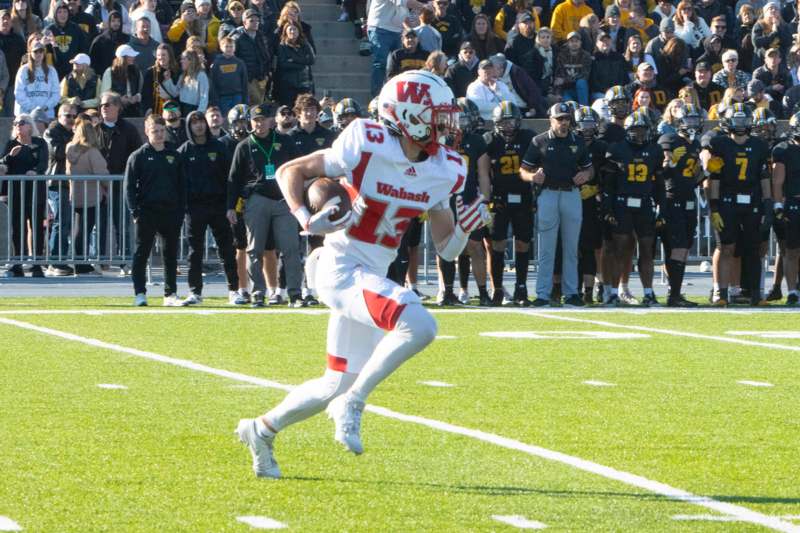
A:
[81,83]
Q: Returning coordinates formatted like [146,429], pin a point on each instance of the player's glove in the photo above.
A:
[472,216]
[610,219]
[778,214]
[660,221]
[714,165]
[320,223]
[239,206]
[677,154]
[588,191]
[716,221]
[767,216]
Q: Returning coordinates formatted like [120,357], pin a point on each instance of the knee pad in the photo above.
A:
[418,323]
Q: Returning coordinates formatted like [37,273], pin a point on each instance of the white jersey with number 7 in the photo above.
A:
[386,189]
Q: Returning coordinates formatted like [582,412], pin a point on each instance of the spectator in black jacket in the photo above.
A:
[68,39]
[57,136]
[26,154]
[119,139]
[252,47]
[609,68]
[293,70]
[410,57]
[770,31]
[447,23]
[233,19]
[103,47]
[155,188]
[205,163]
[86,22]
[774,75]
[14,47]
[521,49]
[463,72]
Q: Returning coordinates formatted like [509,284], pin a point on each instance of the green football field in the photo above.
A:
[121,419]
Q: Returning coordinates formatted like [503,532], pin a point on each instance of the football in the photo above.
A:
[321,191]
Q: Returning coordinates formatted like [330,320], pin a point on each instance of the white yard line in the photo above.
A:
[595,383]
[261,522]
[704,518]
[741,513]
[112,386]
[6,524]
[519,522]
[755,383]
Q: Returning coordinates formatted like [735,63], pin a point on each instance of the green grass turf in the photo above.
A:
[160,455]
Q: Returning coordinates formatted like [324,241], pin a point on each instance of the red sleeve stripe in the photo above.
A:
[361,168]
[459,183]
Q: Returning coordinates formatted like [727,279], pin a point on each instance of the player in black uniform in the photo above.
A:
[682,174]
[587,123]
[786,191]
[512,199]
[472,148]
[738,165]
[632,186]
[345,111]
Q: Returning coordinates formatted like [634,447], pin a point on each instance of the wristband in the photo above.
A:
[303,216]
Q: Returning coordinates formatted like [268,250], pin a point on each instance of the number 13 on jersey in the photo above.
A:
[382,223]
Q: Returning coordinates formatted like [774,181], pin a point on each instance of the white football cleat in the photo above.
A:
[192,299]
[172,301]
[463,297]
[236,298]
[140,300]
[627,298]
[264,464]
[345,411]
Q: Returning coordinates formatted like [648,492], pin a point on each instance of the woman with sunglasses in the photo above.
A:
[232,20]
[37,82]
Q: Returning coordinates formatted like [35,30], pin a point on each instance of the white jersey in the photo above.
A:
[387,190]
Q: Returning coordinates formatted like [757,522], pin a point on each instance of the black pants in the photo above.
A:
[92,222]
[201,217]
[168,225]
[33,211]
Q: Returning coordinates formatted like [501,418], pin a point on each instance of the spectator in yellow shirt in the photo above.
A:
[567,17]
[508,15]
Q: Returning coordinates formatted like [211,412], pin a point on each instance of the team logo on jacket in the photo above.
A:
[212,156]
[170,159]
[276,146]
[574,149]
[320,141]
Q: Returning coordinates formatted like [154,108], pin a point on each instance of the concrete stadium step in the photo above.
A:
[320,11]
[362,96]
[331,28]
[343,81]
[334,64]
[336,46]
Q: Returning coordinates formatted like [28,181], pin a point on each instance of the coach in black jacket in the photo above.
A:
[205,162]
[156,191]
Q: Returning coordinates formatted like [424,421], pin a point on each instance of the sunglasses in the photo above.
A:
[732,60]
[20,123]
[286,114]
[172,119]
[562,119]
[106,104]
[70,115]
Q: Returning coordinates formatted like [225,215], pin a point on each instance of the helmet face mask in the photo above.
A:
[507,119]
[764,124]
[637,128]
[619,105]
[586,122]
[507,128]
[469,117]
[738,120]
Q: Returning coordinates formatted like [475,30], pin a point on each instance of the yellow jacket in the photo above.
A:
[178,28]
[566,18]
[506,18]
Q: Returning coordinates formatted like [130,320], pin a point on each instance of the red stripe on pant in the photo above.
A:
[384,311]
[338,364]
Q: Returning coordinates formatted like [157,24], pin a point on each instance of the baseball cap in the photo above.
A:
[498,59]
[251,13]
[198,3]
[39,114]
[755,87]
[126,50]
[525,17]
[772,52]
[612,11]
[284,108]
[667,25]
[265,110]
[185,6]
[409,31]
[171,105]
[560,109]
[573,34]
[644,65]
[467,45]
[81,59]
[485,64]
[603,35]
[702,65]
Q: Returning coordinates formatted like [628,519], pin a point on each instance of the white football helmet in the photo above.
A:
[419,105]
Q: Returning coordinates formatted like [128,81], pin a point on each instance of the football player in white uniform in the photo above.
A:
[394,170]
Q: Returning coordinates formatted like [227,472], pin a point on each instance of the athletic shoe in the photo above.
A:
[497,298]
[245,295]
[345,411]
[192,299]
[573,301]
[719,302]
[14,272]
[540,302]
[587,297]
[258,300]
[59,271]
[598,293]
[310,300]
[447,299]
[792,300]
[297,302]
[420,295]
[140,300]
[264,464]
[613,301]
[627,298]
[37,272]
[650,300]
[463,297]
[484,300]
[84,269]
[275,299]
[758,302]
[521,296]
[679,301]
[741,299]
[236,298]
[172,301]
[775,294]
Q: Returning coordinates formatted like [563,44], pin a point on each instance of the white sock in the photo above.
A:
[263,430]
[623,287]
[308,399]
[415,329]
[716,286]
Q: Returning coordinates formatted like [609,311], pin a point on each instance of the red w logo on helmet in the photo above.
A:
[414,91]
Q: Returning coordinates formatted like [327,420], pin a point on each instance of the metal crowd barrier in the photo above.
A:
[59,219]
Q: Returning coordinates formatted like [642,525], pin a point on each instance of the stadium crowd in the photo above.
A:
[229,94]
